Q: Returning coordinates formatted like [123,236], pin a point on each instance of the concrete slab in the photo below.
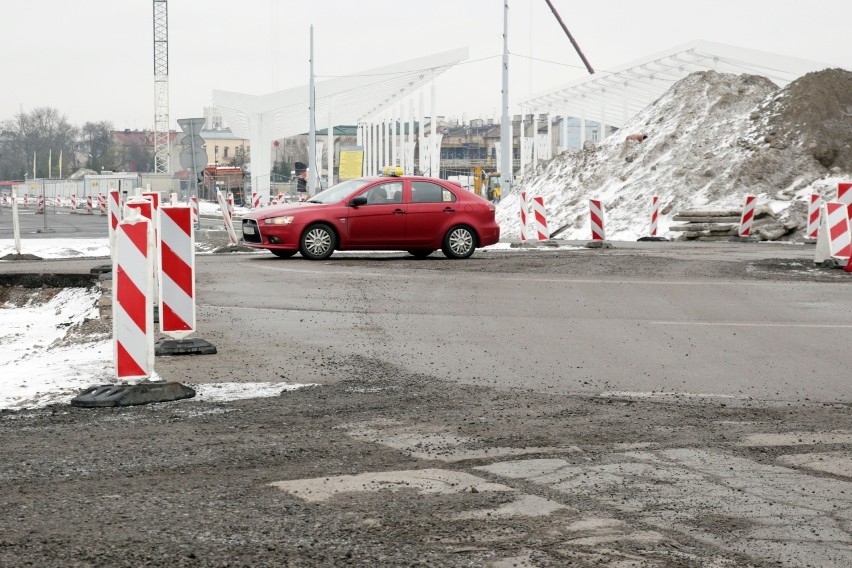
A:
[797,439]
[524,506]
[435,481]
[836,463]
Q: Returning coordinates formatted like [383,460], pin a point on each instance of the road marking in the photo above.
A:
[747,324]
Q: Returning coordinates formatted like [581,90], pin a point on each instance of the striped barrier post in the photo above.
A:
[278,199]
[177,271]
[655,214]
[596,215]
[132,300]
[89,208]
[229,224]
[840,241]
[73,203]
[747,216]
[255,200]
[102,204]
[814,208]
[114,214]
[844,193]
[4,200]
[540,219]
[26,201]
[523,216]
[193,202]
[231,204]
[40,206]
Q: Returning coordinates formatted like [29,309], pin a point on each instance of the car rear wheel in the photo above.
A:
[459,242]
[283,253]
[317,242]
[421,253]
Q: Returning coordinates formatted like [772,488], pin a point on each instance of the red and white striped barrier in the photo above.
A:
[132,299]
[4,200]
[524,206]
[177,271]
[255,200]
[540,219]
[748,216]
[89,207]
[840,240]
[844,193]
[655,214]
[26,200]
[40,206]
[114,212]
[230,204]
[102,204]
[278,199]
[229,224]
[73,203]
[193,203]
[814,208]
[596,214]
[58,201]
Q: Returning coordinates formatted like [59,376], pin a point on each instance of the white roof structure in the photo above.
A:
[343,100]
[614,96]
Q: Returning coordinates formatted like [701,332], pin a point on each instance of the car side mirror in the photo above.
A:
[359,200]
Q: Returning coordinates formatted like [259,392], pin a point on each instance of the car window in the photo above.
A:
[428,192]
[390,192]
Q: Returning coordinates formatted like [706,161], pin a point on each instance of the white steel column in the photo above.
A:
[409,165]
[548,148]
[433,161]
[421,136]
[330,152]
[394,139]
[602,123]
[535,152]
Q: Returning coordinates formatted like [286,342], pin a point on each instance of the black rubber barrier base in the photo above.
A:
[102,269]
[131,395]
[193,346]
[651,239]
[598,245]
[744,240]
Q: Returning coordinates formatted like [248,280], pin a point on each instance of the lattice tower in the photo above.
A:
[161,87]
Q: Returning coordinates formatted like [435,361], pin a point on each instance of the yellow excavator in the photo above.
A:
[485,184]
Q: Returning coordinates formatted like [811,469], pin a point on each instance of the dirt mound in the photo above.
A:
[712,139]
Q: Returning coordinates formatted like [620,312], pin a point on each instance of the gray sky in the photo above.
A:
[93,59]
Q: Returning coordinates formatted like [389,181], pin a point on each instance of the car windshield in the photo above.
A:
[339,191]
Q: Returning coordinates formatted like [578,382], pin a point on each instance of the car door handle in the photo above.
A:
[398,212]
[449,210]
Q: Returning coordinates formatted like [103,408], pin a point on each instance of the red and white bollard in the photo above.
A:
[193,203]
[26,200]
[844,193]
[230,204]
[655,214]
[840,240]
[114,213]
[132,299]
[89,207]
[4,200]
[102,204]
[814,208]
[524,206]
[229,224]
[73,203]
[279,199]
[177,271]
[747,216]
[58,200]
[540,219]
[596,215]
[40,207]
[255,200]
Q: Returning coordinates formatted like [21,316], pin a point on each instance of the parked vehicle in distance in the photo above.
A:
[394,212]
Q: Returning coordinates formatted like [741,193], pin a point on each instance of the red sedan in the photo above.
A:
[415,214]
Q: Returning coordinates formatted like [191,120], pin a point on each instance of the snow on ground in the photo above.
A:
[37,367]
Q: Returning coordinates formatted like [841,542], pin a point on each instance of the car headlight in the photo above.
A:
[286,220]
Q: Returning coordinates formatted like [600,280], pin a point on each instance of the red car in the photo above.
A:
[415,214]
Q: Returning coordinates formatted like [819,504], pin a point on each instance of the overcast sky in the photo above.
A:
[93,59]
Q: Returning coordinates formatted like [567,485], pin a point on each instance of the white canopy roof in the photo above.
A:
[617,95]
[349,99]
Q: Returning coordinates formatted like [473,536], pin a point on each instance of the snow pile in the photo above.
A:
[712,139]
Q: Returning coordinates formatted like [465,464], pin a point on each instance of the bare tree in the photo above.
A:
[41,134]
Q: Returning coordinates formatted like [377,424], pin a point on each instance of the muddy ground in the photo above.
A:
[388,468]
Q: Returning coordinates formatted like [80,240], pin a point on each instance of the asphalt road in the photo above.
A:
[553,320]
[657,404]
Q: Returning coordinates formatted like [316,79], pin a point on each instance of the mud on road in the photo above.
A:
[389,468]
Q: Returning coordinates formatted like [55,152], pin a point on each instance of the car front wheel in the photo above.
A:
[459,242]
[317,242]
